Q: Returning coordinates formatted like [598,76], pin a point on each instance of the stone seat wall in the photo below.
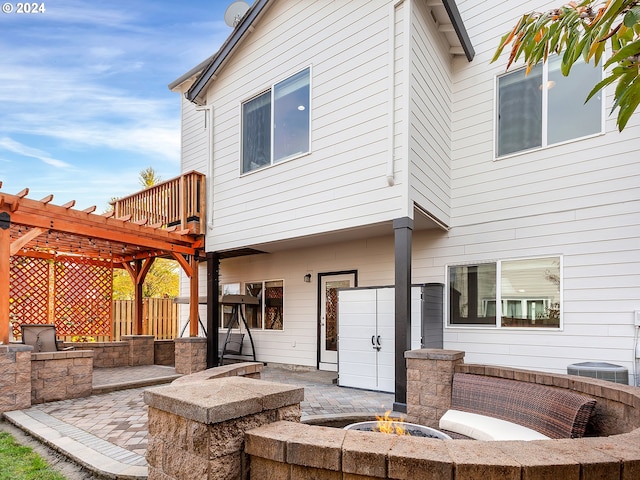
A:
[61,375]
[278,448]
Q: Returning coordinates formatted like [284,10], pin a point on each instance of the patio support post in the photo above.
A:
[193,297]
[138,311]
[138,272]
[403,229]
[5,260]
[213,307]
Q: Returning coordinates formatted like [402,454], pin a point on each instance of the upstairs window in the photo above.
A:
[545,107]
[275,124]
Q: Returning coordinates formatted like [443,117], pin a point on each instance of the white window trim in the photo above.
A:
[544,146]
[271,89]
[498,324]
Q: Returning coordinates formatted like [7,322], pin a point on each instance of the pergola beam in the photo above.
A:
[106,232]
[32,234]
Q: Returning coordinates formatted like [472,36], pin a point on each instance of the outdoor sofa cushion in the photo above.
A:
[481,427]
[552,411]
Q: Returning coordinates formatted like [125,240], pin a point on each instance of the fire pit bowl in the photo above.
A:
[410,429]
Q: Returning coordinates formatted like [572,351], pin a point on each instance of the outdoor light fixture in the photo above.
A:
[307,278]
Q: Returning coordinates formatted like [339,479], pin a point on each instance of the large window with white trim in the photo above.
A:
[544,107]
[506,293]
[276,123]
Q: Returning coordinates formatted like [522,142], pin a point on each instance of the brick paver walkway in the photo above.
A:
[114,425]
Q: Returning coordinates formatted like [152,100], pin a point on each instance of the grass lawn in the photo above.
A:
[18,462]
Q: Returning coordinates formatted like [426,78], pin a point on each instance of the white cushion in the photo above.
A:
[482,427]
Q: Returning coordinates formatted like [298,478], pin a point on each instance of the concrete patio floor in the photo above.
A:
[106,433]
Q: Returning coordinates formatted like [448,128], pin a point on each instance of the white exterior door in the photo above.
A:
[329,318]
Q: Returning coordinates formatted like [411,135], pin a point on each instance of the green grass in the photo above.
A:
[18,462]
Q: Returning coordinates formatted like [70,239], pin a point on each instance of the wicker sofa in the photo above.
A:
[489,408]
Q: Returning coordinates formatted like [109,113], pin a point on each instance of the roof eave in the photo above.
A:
[458,25]
[225,51]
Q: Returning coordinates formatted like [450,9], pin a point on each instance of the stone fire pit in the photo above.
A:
[409,429]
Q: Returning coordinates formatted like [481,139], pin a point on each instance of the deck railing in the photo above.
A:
[179,201]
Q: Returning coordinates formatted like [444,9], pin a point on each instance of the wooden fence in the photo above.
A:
[160,318]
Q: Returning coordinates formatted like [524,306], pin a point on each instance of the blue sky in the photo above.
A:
[84,102]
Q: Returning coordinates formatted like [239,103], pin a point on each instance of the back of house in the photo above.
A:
[355,143]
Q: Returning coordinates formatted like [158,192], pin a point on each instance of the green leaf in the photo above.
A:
[626,51]
[630,19]
[600,85]
[629,106]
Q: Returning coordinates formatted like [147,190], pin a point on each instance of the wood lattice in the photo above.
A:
[82,302]
[28,292]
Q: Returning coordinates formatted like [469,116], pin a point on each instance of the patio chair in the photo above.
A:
[41,337]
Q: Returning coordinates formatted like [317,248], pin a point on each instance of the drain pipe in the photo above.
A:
[390,175]
[208,122]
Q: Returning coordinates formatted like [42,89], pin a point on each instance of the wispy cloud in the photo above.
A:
[83,87]
[16,147]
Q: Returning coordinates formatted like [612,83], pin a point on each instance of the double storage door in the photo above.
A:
[366,336]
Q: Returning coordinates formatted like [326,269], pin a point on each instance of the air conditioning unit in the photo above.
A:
[601,370]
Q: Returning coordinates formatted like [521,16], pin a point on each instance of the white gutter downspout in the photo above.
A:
[392,92]
[209,125]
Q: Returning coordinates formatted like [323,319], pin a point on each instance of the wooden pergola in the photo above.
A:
[41,229]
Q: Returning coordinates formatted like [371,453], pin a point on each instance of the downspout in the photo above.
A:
[392,92]
[209,125]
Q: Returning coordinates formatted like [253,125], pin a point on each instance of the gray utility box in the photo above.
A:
[601,370]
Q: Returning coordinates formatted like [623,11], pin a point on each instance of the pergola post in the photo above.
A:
[193,297]
[5,260]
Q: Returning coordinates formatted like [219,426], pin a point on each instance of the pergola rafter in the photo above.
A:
[41,229]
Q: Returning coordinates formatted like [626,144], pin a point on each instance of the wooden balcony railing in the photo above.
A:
[179,201]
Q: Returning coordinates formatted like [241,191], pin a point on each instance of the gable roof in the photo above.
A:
[446,14]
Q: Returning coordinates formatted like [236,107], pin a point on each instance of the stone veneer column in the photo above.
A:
[429,380]
[141,349]
[197,430]
[15,377]
[191,355]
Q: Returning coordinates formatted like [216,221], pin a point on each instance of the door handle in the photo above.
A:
[378,341]
[373,341]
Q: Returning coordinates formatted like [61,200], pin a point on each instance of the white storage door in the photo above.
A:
[385,340]
[357,312]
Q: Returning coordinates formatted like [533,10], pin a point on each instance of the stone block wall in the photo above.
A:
[164,352]
[141,349]
[61,375]
[15,377]
[106,354]
[429,382]
[197,430]
[190,355]
[285,450]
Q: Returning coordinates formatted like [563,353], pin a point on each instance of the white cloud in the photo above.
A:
[26,151]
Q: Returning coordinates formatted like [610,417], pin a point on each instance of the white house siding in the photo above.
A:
[342,183]
[580,200]
[195,136]
[430,133]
